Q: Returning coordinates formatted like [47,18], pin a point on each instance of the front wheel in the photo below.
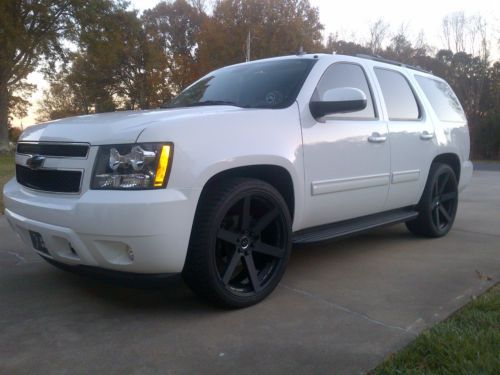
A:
[240,242]
[438,205]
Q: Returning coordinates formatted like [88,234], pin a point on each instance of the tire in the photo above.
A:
[438,206]
[240,243]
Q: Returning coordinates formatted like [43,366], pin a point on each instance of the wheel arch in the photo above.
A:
[452,160]
[277,176]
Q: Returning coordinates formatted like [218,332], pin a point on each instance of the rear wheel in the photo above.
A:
[438,205]
[240,243]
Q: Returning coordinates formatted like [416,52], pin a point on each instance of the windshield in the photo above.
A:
[269,84]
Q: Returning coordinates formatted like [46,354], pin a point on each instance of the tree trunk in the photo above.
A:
[4,118]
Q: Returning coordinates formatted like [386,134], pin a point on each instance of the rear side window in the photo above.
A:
[398,95]
[442,98]
[346,75]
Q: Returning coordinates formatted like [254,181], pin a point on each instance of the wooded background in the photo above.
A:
[98,55]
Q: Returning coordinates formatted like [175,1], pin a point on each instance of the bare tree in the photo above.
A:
[421,46]
[446,32]
[400,47]
[458,25]
[331,41]
[453,28]
[477,28]
[200,5]
[420,41]
[378,33]
[466,34]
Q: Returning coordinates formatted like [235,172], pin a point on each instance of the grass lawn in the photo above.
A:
[468,342]
[6,172]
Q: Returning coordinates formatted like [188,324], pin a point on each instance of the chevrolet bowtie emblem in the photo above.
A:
[35,162]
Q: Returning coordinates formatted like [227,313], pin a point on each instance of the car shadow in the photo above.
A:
[171,294]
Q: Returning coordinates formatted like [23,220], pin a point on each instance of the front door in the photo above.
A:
[346,156]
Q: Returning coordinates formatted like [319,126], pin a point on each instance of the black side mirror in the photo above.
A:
[339,100]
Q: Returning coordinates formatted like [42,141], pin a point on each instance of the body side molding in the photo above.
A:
[344,184]
[405,176]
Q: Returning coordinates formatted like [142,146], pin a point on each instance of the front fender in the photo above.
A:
[231,139]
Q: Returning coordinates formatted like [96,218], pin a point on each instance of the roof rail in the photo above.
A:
[387,61]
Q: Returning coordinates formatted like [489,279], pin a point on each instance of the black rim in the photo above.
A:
[444,201]
[251,244]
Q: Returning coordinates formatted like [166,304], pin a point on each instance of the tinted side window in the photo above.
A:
[346,75]
[442,99]
[398,96]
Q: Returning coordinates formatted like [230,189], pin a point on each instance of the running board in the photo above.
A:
[353,226]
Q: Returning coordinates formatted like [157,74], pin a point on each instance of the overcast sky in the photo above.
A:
[351,19]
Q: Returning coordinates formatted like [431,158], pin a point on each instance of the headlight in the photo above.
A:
[133,166]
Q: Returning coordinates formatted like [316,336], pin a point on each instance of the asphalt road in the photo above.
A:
[341,308]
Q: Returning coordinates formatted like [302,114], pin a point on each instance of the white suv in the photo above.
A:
[239,166]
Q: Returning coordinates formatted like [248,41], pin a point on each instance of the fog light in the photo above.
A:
[115,252]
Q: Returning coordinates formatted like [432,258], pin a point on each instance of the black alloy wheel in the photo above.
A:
[444,200]
[251,244]
[438,206]
[239,252]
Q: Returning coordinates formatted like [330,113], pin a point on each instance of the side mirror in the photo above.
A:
[339,100]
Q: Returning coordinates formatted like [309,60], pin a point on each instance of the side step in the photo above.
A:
[353,226]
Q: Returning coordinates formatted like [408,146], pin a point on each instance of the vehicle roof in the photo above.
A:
[359,58]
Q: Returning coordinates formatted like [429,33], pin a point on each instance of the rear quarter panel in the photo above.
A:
[452,137]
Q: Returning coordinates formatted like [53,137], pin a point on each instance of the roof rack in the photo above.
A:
[387,61]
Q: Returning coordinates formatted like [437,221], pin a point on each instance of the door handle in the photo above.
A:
[425,135]
[377,138]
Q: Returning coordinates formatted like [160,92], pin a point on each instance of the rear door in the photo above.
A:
[411,137]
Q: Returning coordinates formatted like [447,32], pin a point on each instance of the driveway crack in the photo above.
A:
[347,310]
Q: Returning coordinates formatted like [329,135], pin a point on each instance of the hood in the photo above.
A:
[114,127]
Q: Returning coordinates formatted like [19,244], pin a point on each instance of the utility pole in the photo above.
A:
[248,47]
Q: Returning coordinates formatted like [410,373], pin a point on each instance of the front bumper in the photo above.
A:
[143,232]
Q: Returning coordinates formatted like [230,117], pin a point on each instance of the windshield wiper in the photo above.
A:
[212,102]
[205,102]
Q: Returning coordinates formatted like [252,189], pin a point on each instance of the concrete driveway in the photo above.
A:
[341,308]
